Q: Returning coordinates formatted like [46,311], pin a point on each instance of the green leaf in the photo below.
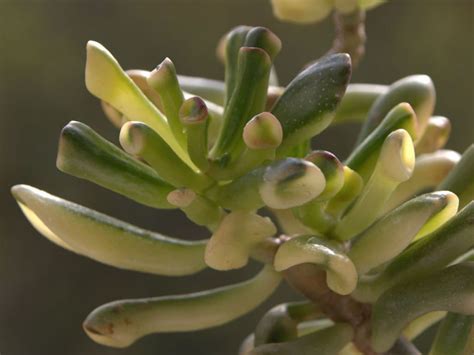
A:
[107,80]
[208,89]
[164,81]
[194,117]
[453,335]
[352,187]
[328,341]
[232,43]
[416,90]
[106,239]
[312,214]
[420,324]
[140,140]
[120,323]
[390,235]
[341,272]
[248,99]
[409,300]
[424,257]
[435,136]
[364,157]
[357,102]
[430,170]
[461,179]
[394,165]
[85,154]
[309,102]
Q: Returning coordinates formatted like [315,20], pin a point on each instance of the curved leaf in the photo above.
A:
[85,154]
[107,239]
[341,272]
[417,90]
[309,102]
[120,323]
[460,180]
[425,256]
[451,289]
[390,235]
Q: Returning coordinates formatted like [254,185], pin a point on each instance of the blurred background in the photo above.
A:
[46,292]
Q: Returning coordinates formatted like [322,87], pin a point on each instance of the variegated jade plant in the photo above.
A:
[379,243]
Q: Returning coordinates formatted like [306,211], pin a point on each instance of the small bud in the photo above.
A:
[263,131]
[193,111]
[181,197]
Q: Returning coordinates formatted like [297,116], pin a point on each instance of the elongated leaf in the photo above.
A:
[107,80]
[85,154]
[208,89]
[417,90]
[164,80]
[341,272]
[309,102]
[107,239]
[364,157]
[194,117]
[328,341]
[435,136]
[357,101]
[140,140]
[451,289]
[390,235]
[352,187]
[461,179]
[394,165]
[426,256]
[452,335]
[430,170]
[248,99]
[121,323]
[420,324]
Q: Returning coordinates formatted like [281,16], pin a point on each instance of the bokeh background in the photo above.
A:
[46,292]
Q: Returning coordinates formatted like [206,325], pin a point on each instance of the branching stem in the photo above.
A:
[350,35]
[310,281]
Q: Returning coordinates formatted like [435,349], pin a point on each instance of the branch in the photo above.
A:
[350,35]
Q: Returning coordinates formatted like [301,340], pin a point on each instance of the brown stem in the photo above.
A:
[350,35]
[310,281]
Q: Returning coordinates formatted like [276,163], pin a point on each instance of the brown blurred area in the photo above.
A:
[46,292]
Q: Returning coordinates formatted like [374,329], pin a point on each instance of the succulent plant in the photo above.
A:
[380,244]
